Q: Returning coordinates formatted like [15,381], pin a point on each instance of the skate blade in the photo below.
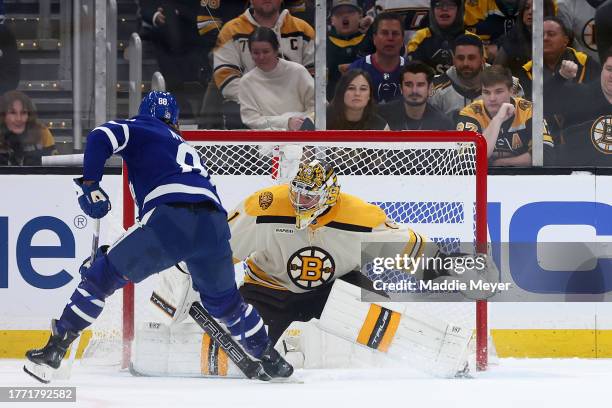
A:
[42,373]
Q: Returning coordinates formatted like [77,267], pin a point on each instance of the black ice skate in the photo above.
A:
[42,363]
[274,364]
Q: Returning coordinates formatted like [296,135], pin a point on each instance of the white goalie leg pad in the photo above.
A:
[305,345]
[173,295]
[403,333]
[179,350]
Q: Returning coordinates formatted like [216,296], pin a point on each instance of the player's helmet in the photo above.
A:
[160,105]
[312,191]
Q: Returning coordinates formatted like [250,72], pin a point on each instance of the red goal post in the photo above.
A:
[361,141]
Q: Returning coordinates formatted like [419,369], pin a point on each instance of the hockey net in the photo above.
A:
[435,182]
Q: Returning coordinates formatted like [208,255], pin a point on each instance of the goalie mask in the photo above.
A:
[313,190]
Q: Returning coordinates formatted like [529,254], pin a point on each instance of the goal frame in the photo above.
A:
[225,136]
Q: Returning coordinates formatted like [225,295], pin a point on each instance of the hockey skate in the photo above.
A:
[43,363]
[274,365]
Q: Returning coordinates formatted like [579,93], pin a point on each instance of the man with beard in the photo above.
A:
[460,85]
[385,64]
[434,45]
[505,121]
[412,112]
[232,58]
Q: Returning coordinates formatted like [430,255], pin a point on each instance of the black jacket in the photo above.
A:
[395,115]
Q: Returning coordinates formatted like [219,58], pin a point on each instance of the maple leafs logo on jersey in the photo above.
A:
[265,200]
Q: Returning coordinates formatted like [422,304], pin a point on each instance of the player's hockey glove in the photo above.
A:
[93,200]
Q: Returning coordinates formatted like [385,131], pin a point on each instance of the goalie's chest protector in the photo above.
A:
[282,257]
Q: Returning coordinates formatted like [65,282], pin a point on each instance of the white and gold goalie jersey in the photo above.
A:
[282,257]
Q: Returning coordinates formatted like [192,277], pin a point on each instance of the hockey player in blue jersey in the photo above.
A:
[180,219]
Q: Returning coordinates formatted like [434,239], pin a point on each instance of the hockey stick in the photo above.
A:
[249,367]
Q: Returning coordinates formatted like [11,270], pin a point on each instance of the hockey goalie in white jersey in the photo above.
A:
[293,242]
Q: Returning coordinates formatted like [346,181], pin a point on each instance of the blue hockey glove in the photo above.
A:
[93,200]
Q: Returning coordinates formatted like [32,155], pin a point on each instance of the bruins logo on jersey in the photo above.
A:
[601,134]
[523,104]
[265,200]
[476,108]
[311,267]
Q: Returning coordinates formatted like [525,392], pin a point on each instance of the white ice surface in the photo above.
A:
[541,383]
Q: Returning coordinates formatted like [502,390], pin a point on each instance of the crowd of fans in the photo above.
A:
[391,64]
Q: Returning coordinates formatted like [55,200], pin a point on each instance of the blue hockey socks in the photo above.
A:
[241,319]
[98,282]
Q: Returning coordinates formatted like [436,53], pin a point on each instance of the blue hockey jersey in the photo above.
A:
[162,167]
[387,85]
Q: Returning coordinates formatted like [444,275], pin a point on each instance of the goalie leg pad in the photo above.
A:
[179,350]
[400,331]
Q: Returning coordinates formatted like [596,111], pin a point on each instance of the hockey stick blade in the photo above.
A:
[249,367]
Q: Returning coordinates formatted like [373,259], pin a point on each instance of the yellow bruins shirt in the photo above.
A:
[232,58]
[282,257]
[515,133]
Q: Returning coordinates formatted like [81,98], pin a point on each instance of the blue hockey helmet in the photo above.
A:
[160,105]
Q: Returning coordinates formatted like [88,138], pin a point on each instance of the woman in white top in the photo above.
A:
[276,94]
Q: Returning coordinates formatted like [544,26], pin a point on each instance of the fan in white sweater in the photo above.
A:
[276,94]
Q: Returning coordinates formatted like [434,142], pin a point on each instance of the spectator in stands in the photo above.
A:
[2,15]
[505,121]
[232,58]
[514,49]
[344,40]
[579,17]
[556,50]
[490,20]
[434,45]
[23,139]
[276,94]
[413,112]
[587,110]
[173,28]
[461,84]
[603,21]
[303,9]
[353,107]
[10,64]
[414,13]
[385,64]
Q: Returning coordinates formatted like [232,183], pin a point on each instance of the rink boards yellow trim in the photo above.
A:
[518,343]
[14,343]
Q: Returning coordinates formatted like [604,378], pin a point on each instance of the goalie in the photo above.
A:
[296,240]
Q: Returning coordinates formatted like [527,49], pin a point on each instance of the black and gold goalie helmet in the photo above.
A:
[312,191]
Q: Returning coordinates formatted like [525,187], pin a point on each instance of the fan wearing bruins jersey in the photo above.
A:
[231,56]
[299,238]
[503,120]
[587,109]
